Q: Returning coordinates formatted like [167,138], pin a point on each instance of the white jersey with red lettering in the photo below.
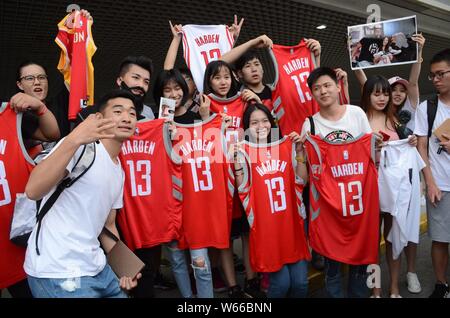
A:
[272,197]
[344,203]
[203,44]
[152,197]
[208,184]
[15,168]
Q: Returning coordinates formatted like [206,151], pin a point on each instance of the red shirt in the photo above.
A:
[292,100]
[272,197]
[153,187]
[208,184]
[15,168]
[344,212]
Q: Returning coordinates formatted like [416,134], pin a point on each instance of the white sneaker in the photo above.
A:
[413,283]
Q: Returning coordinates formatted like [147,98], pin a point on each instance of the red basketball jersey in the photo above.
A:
[344,203]
[272,197]
[292,99]
[75,63]
[233,107]
[208,184]
[153,187]
[15,168]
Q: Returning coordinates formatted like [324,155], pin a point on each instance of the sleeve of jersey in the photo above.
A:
[244,188]
[62,40]
[299,187]
[177,181]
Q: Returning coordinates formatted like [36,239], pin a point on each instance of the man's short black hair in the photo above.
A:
[142,61]
[244,58]
[442,56]
[117,93]
[319,72]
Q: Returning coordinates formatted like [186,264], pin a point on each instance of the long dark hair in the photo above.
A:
[166,76]
[378,84]
[246,120]
[212,70]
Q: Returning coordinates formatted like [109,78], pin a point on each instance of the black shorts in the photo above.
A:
[239,226]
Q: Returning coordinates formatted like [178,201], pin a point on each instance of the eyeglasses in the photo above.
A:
[438,75]
[32,78]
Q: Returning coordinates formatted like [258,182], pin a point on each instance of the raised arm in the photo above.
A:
[171,57]
[413,87]
[315,48]
[235,28]
[50,171]
[48,129]
[256,43]
[342,75]
[361,77]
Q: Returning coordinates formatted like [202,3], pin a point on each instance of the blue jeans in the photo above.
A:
[357,277]
[104,285]
[203,277]
[290,281]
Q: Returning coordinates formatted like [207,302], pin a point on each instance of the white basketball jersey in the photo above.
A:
[203,44]
[399,188]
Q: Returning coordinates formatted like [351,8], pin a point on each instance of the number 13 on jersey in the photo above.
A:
[355,204]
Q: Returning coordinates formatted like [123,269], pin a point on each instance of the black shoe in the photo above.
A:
[236,292]
[252,288]
[440,291]
[162,283]
[317,261]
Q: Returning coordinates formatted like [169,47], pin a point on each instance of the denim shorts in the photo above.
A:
[103,285]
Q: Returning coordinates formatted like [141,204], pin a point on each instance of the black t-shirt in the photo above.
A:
[266,96]
[187,118]
[369,46]
[30,123]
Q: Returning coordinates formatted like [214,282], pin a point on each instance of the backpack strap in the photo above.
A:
[432,105]
[312,129]
[83,164]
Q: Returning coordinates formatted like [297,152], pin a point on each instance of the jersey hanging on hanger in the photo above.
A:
[75,62]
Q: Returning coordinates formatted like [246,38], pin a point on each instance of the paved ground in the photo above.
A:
[424,271]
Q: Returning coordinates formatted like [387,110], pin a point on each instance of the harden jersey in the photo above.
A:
[272,197]
[344,205]
[234,107]
[77,48]
[15,168]
[203,44]
[208,184]
[292,99]
[153,188]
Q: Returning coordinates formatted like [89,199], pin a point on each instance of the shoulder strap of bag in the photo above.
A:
[312,126]
[83,164]
[432,105]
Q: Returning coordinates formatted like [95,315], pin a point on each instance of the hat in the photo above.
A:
[398,79]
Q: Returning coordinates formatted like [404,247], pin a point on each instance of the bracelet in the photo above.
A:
[42,111]
[236,170]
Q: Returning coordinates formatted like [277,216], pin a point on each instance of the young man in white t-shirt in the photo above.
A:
[70,262]
[436,154]
[337,123]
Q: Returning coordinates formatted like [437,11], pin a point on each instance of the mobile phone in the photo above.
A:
[386,137]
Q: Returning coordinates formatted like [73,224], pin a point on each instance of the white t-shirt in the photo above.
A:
[353,124]
[407,106]
[439,163]
[68,239]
